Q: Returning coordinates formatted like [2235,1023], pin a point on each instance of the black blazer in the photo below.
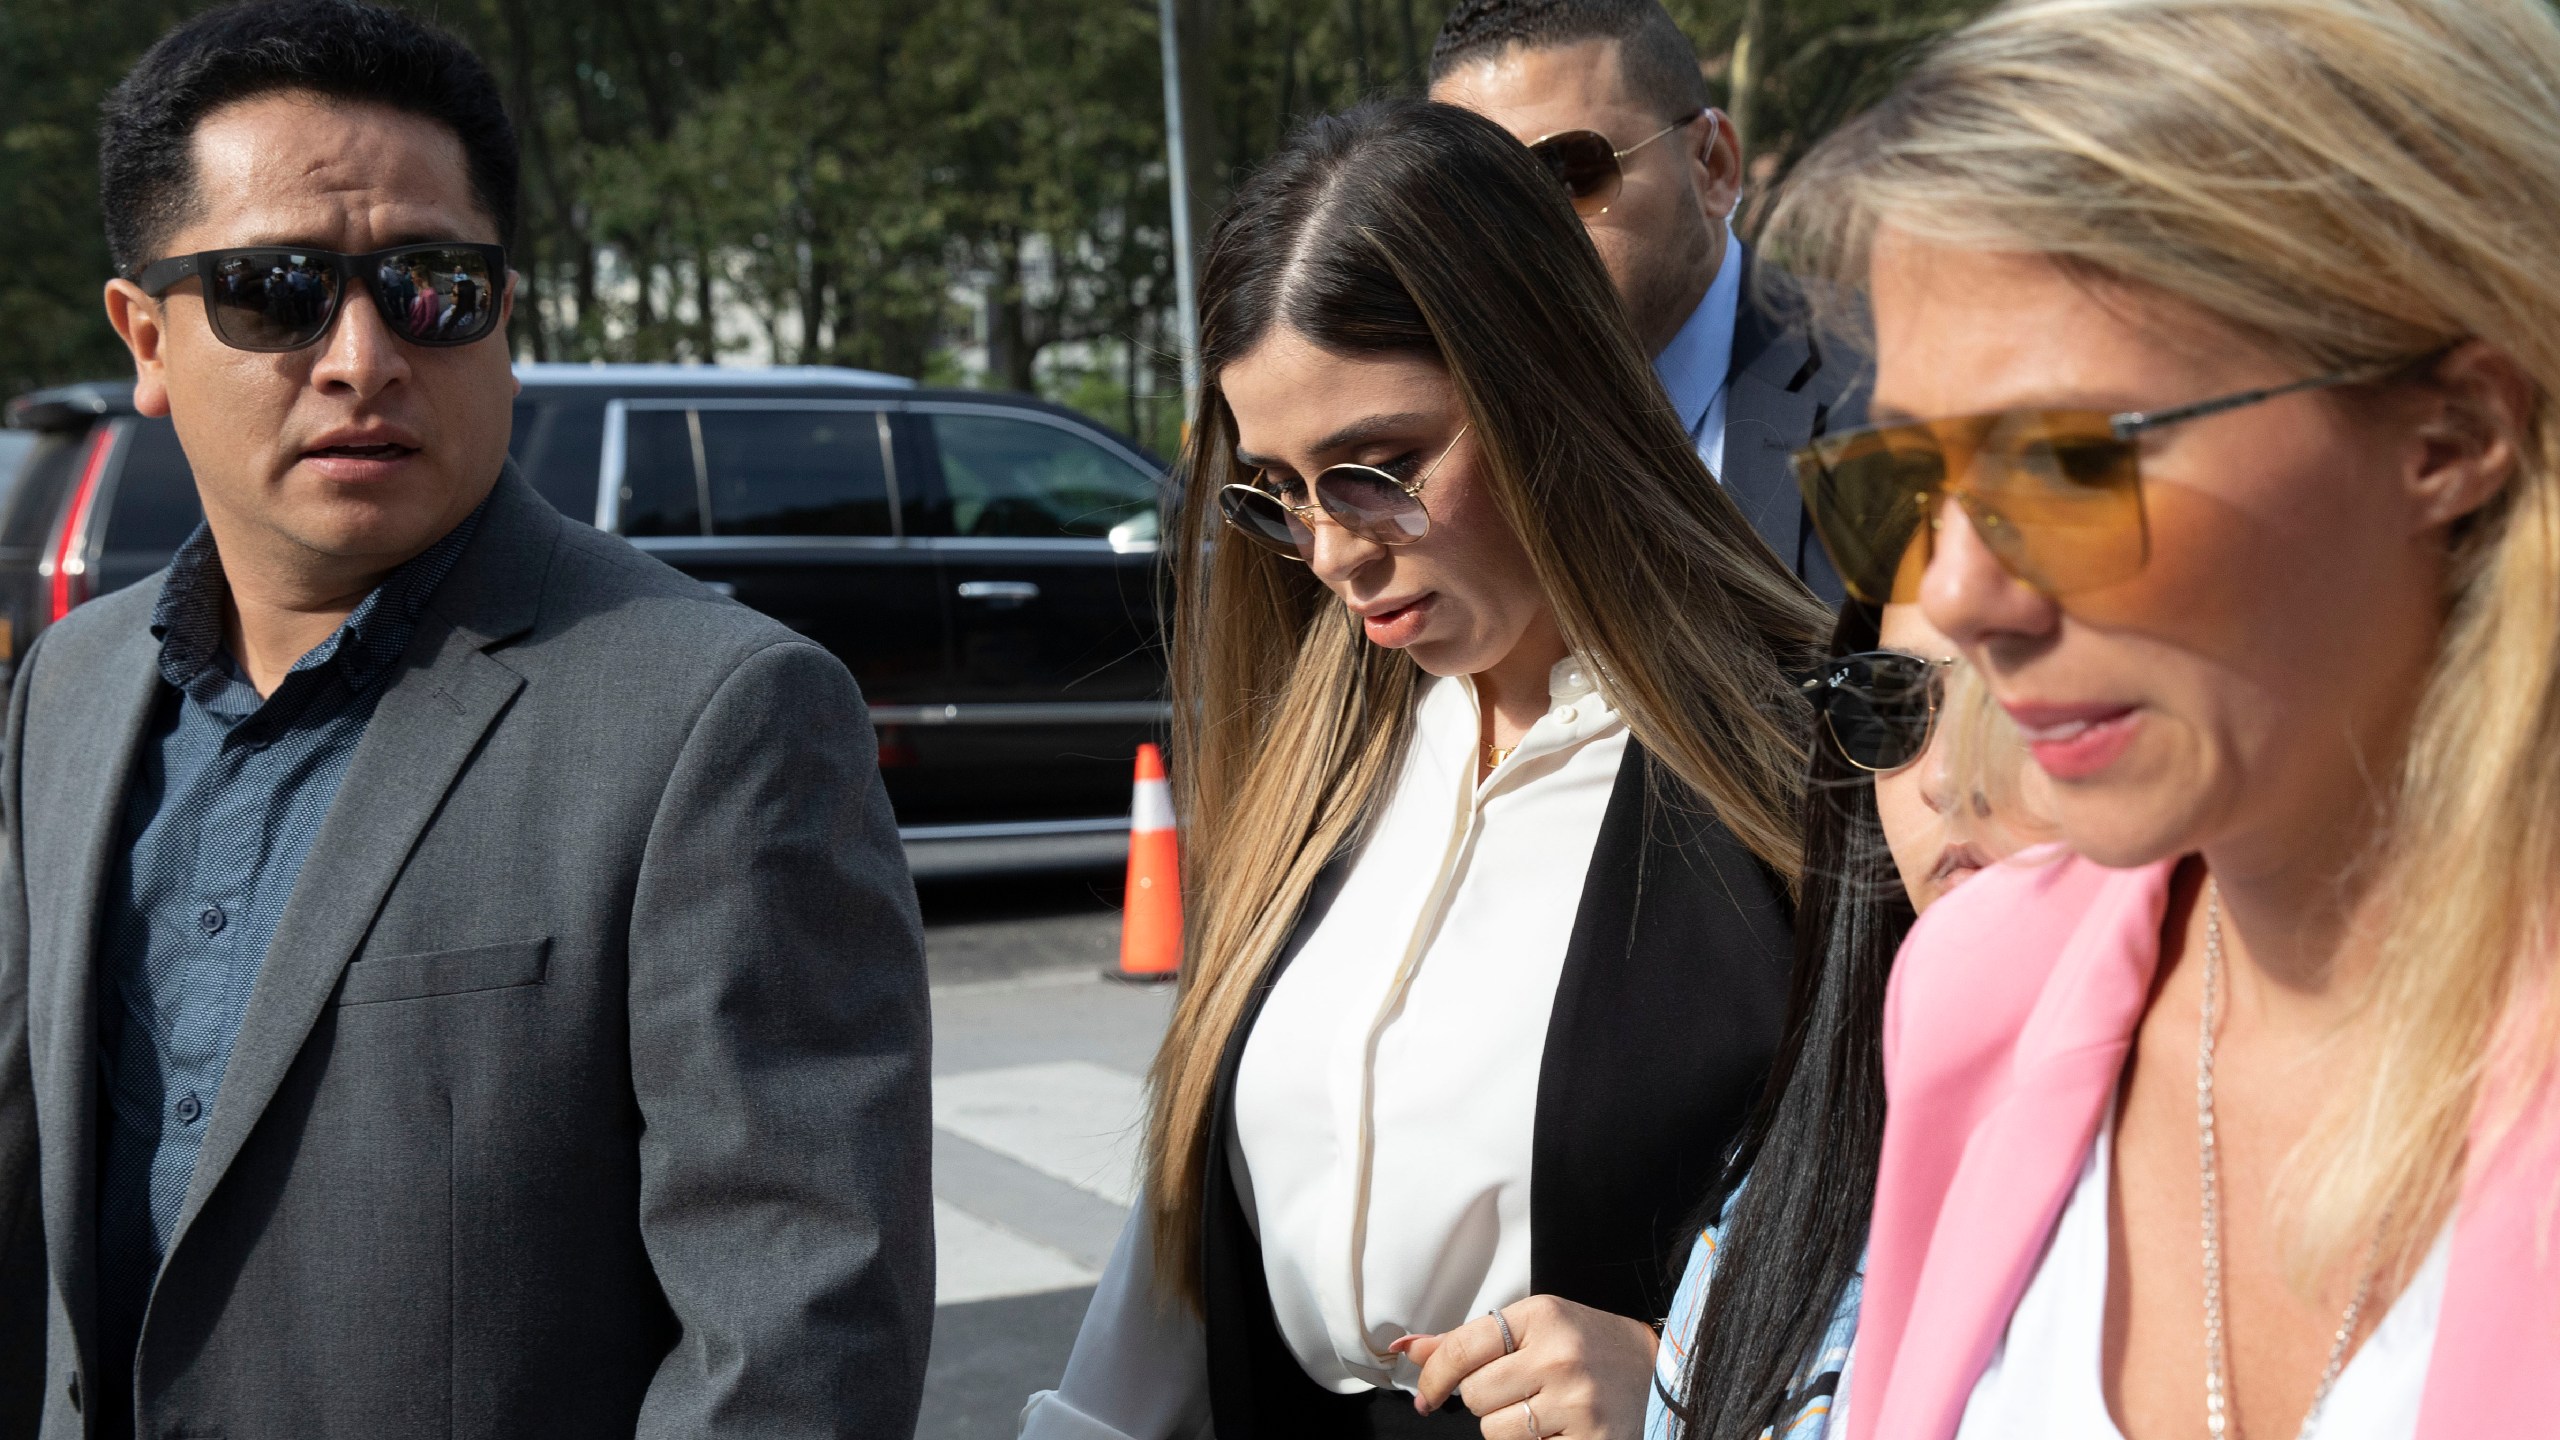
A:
[1784,388]
[1666,1017]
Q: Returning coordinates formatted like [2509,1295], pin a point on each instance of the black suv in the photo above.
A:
[984,563]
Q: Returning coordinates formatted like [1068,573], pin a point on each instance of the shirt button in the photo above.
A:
[1568,714]
[210,919]
[189,1107]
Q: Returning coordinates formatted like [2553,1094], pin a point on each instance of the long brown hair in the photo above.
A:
[1414,228]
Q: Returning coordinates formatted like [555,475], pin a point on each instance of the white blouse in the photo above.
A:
[2044,1380]
[1387,1100]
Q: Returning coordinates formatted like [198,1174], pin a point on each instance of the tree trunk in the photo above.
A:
[1360,46]
[1746,75]
[643,341]
[706,326]
[1210,139]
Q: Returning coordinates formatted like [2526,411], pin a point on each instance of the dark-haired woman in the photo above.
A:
[1487,757]
[1758,1340]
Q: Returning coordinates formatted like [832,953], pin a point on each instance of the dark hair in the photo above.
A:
[1406,227]
[339,48]
[1657,58]
[1795,1234]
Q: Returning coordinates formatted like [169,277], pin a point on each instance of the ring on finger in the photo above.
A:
[1509,1345]
[1531,1417]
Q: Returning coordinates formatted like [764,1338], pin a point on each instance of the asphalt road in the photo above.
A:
[1037,1064]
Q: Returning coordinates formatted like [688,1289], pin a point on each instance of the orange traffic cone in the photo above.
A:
[1151,917]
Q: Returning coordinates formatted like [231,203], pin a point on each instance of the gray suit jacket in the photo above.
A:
[584,1090]
[1786,387]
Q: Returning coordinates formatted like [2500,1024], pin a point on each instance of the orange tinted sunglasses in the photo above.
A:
[2055,494]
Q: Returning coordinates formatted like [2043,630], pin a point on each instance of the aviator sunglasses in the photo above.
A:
[1586,164]
[1363,499]
[1879,706]
[2055,494]
[284,297]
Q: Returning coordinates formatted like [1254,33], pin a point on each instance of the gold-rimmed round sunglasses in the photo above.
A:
[1363,499]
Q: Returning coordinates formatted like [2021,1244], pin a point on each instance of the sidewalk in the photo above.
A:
[1038,1073]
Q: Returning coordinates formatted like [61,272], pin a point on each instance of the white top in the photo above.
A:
[1696,366]
[1387,1100]
[2044,1381]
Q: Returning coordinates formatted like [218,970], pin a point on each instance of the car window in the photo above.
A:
[1007,477]
[36,502]
[15,447]
[154,507]
[795,472]
[661,488]
[558,443]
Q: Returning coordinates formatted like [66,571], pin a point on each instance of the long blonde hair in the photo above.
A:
[1414,228]
[2343,182]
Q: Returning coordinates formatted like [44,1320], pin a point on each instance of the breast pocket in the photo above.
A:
[444,972]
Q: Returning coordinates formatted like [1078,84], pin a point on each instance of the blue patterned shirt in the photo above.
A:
[227,792]
[1817,1407]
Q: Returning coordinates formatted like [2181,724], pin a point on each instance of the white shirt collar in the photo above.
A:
[1693,366]
[1578,711]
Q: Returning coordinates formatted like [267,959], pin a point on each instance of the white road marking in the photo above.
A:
[974,1260]
[1070,1120]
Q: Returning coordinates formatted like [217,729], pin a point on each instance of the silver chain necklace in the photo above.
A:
[2217,1411]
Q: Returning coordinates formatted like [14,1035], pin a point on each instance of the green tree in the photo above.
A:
[886,183]
[58,58]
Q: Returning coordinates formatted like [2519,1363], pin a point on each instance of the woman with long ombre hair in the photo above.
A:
[1486,748]
[2216,348]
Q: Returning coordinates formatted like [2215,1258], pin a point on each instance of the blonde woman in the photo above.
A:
[2217,342]
[1487,747]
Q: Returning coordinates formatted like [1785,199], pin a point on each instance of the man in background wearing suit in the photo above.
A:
[1661,172]
[457,976]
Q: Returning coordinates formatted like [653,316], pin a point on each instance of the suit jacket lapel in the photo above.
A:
[87,793]
[442,700]
[1666,1017]
[2018,1166]
[1769,412]
[2492,1374]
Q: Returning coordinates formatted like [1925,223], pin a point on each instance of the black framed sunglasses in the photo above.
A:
[285,297]
[1586,163]
[1879,706]
[1363,499]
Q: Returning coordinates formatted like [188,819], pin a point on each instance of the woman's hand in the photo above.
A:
[1582,1373]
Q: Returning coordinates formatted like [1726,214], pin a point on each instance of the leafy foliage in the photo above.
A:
[956,189]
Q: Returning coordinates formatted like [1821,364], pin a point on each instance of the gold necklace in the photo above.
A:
[1494,754]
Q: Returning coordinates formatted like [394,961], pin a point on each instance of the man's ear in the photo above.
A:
[143,324]
[2472,439]
[1715,159]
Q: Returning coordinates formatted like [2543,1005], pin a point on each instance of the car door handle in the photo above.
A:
[999,592]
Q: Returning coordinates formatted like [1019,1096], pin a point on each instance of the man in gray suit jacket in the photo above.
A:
[1609,93]
[457,976]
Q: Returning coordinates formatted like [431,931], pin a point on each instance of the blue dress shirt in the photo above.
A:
[227,793]
[1696,364]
